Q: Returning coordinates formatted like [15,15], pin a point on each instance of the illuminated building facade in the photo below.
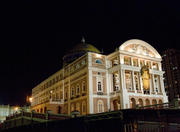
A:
[91,82]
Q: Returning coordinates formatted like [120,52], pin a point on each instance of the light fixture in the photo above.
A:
[30,99]
[16,108]
[98,55]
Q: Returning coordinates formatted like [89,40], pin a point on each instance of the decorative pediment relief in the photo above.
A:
[139,47]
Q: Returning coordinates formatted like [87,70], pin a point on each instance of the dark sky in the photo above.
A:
[36,34]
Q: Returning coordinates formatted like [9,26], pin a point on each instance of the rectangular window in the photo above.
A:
[135,62]
[148,63]
[142,63]
[128,77]
[155,66]
[99,87]
[127,60]
[77,90]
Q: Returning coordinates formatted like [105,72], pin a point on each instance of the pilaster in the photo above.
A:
[91,105]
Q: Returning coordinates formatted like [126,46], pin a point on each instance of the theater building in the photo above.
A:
[91,82]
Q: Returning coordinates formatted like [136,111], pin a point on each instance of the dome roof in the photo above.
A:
[84,47]
[78,51]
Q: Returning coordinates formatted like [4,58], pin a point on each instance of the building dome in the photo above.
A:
[79,50]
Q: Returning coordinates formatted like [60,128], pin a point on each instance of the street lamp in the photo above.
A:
[16,109]
[30,99]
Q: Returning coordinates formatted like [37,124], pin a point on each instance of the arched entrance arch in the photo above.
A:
[115,104]
[154,102]
[59,109]
[133,103]
[140,102]
[147,102]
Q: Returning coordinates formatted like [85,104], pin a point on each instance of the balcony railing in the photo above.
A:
[56,101]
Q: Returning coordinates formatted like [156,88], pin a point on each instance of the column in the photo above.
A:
[121,59]
[90,80]
[159,81]
[160,66]
[152,65]
[153,83]
[134,84]
[131,61]
[139,63]
[123,88]
[141,84]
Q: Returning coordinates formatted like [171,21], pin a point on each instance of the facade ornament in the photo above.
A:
[145,77]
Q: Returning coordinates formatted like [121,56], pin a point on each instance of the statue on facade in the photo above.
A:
[145,77]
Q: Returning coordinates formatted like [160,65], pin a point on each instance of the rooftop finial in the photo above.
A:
[83,39]
[102,51]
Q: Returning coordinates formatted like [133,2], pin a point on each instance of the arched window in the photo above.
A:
[77,89]
[154,102]
[98,61]
[133,103]
[160,101]
[83,86]
[100,106]
[99,86]
[140,102]
[147,102]
[115,104]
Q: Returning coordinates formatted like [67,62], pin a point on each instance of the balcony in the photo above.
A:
[99,93]
[115,93]
[84,93]
[56,101]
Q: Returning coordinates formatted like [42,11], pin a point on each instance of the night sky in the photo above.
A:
[36,34]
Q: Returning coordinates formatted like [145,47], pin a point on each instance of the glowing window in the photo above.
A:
[98,61]
[99,86]
[77,89]
[100,106]
[83,87]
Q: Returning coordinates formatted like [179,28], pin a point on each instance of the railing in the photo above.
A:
[158,106]
[46,116]
[115,92]
[56,101]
